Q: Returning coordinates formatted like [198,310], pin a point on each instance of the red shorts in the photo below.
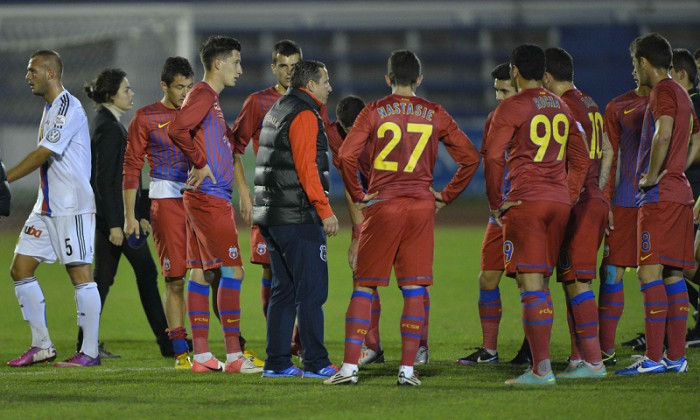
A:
[398,232]
[579,253]
[620,249]
[212,238]
[492,249]
[169,223]
[666,235]
[532,235]
[258,247]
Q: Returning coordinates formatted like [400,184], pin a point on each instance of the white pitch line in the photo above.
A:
[55,370]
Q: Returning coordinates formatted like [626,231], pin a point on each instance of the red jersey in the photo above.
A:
[249,121]
[623,120]
[585,111]
[538,128]
[671,99]
[200,131]
[336,136]
[148,136]
[401,135]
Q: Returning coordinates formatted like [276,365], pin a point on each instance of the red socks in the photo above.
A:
[538,316]
[611,303]
[490,310]
[411,324]
[357,321]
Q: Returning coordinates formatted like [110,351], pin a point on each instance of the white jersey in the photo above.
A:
[65,177]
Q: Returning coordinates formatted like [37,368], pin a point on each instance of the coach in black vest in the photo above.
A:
[292,209]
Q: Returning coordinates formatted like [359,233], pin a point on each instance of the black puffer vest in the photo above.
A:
[279,196]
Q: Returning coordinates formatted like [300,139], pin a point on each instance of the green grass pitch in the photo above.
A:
[144,385]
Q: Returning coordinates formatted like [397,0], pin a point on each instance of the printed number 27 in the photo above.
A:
[380,162]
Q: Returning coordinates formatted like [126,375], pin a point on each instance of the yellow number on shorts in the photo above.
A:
[596,135]
[380,162]
[558,128]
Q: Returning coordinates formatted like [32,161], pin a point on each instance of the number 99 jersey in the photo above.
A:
[401,134]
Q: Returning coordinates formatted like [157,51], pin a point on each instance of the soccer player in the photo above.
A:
[623,123]
[148,137]
[62,223]
[285,55]
[542,138]
[294,215]
[684,71]
[577,264]
[401,133]
[491,250]
[200,131]
[665,220]
[113,96]
[347,110]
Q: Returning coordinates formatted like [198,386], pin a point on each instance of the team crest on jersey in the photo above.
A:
[261,249]
[324,253]
[606,251]
[60,121]
[53,135]
[166,264]
[233,252]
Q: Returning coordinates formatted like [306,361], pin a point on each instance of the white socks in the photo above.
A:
[87,300]
[203,357]
[232,357]
[348,369]
[407,370]
[33,307]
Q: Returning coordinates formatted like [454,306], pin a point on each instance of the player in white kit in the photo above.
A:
[61,225]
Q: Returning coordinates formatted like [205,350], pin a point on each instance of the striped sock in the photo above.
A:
[585,313]
[265,291]
[611,303]
[678,308]
[655,312]
[575,351]
[412,319]
[537,323]
[228,301]
[372,338]
[198,312]
[357,320]
[490,310]
[426,310]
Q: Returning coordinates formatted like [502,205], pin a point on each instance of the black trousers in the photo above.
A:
[107,258]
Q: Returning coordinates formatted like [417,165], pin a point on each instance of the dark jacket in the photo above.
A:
[108,138]
[279,196]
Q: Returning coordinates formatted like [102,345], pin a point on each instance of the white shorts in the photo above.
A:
[68,239]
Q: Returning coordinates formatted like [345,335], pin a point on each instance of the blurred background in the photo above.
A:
[458,42]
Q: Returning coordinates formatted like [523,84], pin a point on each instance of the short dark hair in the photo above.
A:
[217,46]
[174,66]
[53,57]
[304,71]
[683,60]
[348,108]
[105,85]
[696,54]
[286,47]
[403,68]
[655,48]
[501,72]
[530,61]
[559,64]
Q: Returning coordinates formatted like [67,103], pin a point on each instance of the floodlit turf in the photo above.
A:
[142,384]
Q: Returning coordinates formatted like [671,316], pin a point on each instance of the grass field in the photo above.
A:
[143,384]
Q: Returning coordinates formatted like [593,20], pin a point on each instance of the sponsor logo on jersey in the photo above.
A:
[53,135]
[644,257]
[657,312]
[261,249]
[163,125]
[60,121]
[232,320]
[324,253]
[606,251]
[233,252]
[627,111]
[31,230]
[166,264]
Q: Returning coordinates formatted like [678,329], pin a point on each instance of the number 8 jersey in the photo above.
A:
[401,135]
[538,129]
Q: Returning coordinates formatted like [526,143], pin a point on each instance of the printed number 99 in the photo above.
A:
[557,128]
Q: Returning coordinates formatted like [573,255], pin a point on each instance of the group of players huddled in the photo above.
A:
[558,173]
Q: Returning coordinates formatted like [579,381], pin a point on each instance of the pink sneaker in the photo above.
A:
[243,365]
[34,355]
[211,365]
[80,359]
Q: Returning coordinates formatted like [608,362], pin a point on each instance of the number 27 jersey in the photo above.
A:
[537,127]
[401,135]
